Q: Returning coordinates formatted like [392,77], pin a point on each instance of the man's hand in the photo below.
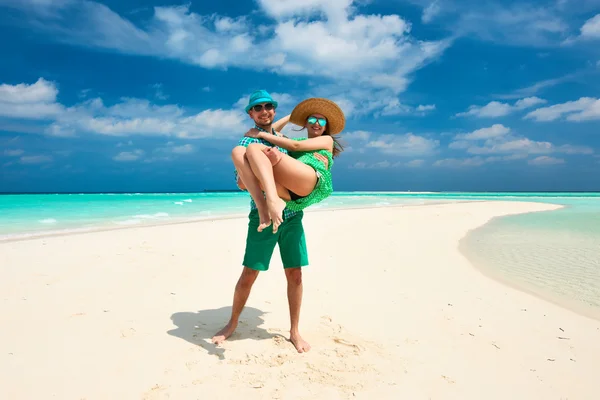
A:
[253,133]
[273,154]
[322,158]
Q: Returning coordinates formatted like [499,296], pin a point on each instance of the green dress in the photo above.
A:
[324,186]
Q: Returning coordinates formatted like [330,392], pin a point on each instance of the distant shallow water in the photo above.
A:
[554,255]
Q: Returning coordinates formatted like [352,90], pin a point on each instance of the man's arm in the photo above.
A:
[279,124]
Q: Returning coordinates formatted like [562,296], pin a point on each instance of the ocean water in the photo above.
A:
[39,214]
[554,255]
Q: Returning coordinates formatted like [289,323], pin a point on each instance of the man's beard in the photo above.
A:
[266,125]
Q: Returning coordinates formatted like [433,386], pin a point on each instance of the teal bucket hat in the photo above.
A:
[258,97]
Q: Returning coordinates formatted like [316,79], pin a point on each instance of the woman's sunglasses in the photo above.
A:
[312,120]
[259,107]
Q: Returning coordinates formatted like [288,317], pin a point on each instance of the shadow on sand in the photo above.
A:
[199,327]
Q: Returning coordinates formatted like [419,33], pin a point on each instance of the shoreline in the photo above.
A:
[7,238]
[386,316]
[510,282]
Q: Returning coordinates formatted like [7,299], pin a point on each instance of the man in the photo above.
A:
[260,245]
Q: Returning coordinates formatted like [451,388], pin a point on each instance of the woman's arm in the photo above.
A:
[324,142]
[279,124]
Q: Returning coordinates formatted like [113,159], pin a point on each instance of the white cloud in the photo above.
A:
[415,163]
[41,91]
[538,86]
[158,91]
[334,9]
[520,145]
[13,153]
[360,101]
[456,162]
[377,165]
[431,11]
[508,23]
[357,136]
[385,164]
[403,145]
[35,159]
[377,51]
[589,31]
[500,140]
[429,107]
[498,109]
[584,109]
[494,131]
[130,116]
[476,161]
[31,101]
[183,149]
[591,28]
[546,160]
[129,155]
[175,149]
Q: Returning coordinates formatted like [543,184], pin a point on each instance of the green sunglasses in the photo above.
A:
[312,120]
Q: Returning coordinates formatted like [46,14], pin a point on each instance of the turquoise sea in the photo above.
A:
[554,255]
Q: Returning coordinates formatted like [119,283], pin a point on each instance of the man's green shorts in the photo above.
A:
[289,236]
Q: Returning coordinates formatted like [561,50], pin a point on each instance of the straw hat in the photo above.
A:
[316,105]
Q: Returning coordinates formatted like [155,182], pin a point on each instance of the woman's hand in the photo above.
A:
[322,158]
[253,133]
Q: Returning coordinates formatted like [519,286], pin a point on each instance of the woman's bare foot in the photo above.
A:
[300,344]
[224,333]
[276,212]
[264,218]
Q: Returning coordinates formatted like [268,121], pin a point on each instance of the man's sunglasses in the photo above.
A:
[259,107]
[322,121]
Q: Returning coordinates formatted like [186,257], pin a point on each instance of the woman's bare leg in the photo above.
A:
[238,155]
[263,170]
[291,174]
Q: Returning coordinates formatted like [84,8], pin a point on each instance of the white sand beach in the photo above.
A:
[391,309]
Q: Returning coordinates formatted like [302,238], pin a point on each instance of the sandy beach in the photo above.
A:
[391,308]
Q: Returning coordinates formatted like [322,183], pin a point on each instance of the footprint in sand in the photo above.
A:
[356,348]
[155,392]
[125,333]
[338,360]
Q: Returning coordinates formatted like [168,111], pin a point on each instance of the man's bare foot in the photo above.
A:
[301,345]
[276,212]
[224,333]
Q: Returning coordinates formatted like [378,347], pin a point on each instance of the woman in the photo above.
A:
[306,178]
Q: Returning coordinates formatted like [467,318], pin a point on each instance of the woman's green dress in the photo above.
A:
[324,186]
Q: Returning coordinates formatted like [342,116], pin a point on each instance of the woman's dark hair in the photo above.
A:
[337,146]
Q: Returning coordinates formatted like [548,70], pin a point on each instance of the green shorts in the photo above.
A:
[289,236]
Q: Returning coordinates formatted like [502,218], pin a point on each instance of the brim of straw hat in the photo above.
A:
[334,114]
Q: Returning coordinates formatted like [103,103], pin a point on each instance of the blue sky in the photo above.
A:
[135,95]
